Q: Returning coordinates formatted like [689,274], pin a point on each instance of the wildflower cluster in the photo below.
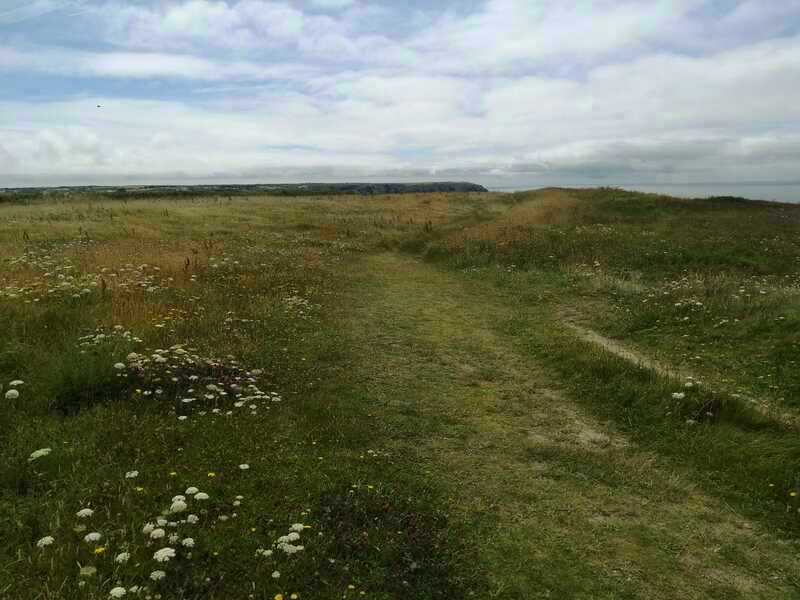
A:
[193,384]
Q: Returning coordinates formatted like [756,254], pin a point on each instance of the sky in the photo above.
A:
[494,91]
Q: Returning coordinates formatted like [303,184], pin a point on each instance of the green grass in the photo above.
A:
[422,403]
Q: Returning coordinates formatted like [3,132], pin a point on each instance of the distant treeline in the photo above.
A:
[194,191]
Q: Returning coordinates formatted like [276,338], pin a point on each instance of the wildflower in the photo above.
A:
[131,474]
[84,513]
[188,542]
[45,541]
[297,527]
[122,557]
[117,592]
[678,396]
[100,550]
[164,554]
[161,522]
[87,571]
[178,506]
[157,575]
[39,453]
[173,538]
[12,395]
[201,496]
[212,474]
[244,467]
[16,383]
[157,534]
[148,528]
[278,596]
[191,491]
[119,366]
[192,519]
[92,537]
[276,574]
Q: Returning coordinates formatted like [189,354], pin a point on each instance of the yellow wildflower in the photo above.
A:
[99,550]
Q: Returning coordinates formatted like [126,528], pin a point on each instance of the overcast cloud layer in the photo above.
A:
[486,90]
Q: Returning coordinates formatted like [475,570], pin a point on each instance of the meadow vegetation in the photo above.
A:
[551,394]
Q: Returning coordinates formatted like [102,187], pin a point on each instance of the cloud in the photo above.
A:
[626,90]
[36,8]
[143,65]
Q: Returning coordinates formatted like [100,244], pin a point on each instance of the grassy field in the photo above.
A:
[551,394]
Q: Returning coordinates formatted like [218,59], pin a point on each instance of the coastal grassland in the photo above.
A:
[455,395]
[705,290]
[150,348]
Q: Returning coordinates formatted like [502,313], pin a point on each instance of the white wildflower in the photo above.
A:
[192,519]
[678,396]
[157,575]
[178,506]
[12,395]
[92,537]
[16,383]
[148,528]
[201,496]
[117,592]
[119,366]
[122,557]
[297,527]
[191,491]
[45,541]
[84,513]
[131,474]
[164,554]
[157,534]
[276,574]
[244,466]
[188,542]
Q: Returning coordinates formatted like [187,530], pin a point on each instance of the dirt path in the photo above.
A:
[561,506]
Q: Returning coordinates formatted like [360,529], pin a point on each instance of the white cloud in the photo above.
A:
[518,86]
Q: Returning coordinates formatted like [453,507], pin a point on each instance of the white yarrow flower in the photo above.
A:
[678,396]
[157,534]
[92,537]
[191,491]
[192,519]
[201,496]
[45,541]
[122,557]
[119,366]
[276,574]
[244,466]
[84,513]
[117,592]
[148,528]
[188,542]
[12,395]
[16,383]
[131,474]
[157,575]
[164,554]
[178,506]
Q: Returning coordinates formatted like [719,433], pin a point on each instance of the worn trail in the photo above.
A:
[561,505]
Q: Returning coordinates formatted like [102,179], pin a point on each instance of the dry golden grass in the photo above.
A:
[547,207]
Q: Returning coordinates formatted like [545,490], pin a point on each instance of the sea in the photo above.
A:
[780,192]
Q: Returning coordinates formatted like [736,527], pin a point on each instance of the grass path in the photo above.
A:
[560,505]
